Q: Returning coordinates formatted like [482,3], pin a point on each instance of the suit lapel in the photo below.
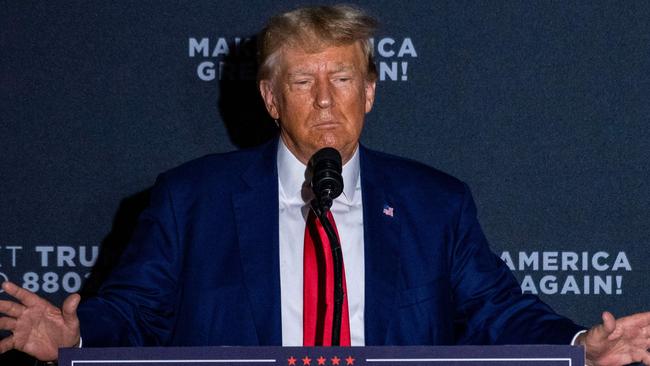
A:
[256,214]
[381,240]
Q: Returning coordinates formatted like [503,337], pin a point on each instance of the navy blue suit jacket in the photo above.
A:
[203,266]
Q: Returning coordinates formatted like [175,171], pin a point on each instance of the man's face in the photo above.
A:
[320,99]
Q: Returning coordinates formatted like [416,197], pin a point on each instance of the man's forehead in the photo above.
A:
[331,67]
[330,58]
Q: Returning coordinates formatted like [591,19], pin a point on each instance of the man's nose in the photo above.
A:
[323,94]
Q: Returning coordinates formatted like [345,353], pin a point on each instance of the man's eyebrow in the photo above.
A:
[342,68]
[300,72]
[308,70]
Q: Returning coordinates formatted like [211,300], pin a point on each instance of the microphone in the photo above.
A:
[326,182]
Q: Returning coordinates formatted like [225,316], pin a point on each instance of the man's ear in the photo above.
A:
[266,90]
[370,94]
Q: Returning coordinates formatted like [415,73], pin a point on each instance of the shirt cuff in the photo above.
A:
[575,337]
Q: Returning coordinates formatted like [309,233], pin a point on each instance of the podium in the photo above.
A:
[526,355]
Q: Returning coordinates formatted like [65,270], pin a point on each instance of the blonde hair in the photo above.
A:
[314,28]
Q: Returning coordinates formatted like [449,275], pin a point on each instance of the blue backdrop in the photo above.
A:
[542,107]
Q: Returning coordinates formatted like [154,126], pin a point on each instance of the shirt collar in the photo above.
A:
[291,176]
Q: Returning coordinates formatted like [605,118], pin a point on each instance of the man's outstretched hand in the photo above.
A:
[618,341]
[38,327]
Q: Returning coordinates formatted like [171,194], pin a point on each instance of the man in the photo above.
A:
[217,257]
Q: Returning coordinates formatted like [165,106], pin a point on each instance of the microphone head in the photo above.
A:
[326,182]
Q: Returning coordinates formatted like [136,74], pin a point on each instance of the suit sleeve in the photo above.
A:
[490,307]
[136,304]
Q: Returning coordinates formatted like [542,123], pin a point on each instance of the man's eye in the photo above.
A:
[301,82]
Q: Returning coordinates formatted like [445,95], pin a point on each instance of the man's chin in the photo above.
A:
[319,139]
[345,149]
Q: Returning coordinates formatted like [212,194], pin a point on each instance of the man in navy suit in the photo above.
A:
[214,260]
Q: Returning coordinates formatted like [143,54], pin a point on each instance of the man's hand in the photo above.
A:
[39,328]
[618,341]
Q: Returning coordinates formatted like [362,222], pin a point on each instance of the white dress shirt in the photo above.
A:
[293,209]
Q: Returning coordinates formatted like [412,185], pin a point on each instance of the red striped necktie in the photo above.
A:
[318,296]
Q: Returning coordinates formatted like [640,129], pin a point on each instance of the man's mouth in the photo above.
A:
[326,123]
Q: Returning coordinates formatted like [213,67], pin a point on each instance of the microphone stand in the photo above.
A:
[335,245]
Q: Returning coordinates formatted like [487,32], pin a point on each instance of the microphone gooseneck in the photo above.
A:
[327,184]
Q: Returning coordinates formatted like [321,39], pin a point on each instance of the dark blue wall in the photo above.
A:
[542,107]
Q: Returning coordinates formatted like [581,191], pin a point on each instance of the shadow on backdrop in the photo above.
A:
[240,104]
[113,245]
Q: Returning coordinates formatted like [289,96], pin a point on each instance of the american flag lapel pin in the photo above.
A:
[388,210]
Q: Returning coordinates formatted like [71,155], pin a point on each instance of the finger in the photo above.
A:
[28,298]
[638,320]
[7,344]
[609,322]
[7,323]
[6,285]
[69,308]
[13,309]
[642,356]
